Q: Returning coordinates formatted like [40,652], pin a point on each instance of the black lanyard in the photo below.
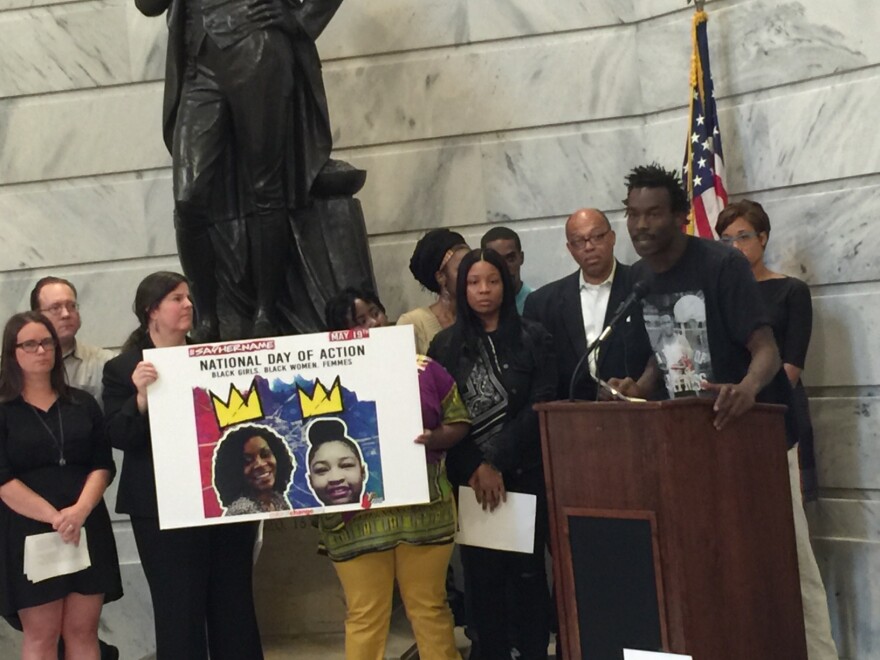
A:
[58,443]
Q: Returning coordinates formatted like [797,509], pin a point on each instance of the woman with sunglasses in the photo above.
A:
[55,464]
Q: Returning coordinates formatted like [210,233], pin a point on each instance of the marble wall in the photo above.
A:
[467,112]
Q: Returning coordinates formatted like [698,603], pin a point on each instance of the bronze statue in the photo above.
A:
[246,121]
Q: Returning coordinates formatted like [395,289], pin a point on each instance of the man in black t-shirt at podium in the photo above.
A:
[708,292]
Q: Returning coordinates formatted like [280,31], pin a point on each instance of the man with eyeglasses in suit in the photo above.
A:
[576,308]
[84,364]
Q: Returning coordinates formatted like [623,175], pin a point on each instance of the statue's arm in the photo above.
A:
[152,7]
[314,15]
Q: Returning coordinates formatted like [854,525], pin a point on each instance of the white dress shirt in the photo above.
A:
[594,305]
[85,368]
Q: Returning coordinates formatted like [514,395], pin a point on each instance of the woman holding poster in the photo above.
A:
[503,365]
[412,544]
[199,577]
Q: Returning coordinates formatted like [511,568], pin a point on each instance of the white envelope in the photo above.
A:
[510,527]
[47,556]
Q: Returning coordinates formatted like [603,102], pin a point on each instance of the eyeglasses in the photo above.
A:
[59,308]
[594,240]
[32,345]
[739,238]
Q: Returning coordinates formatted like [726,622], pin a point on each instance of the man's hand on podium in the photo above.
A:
[488,485]
[625,386]
[731,402]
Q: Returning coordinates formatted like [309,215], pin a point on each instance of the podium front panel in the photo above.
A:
[615,572]
[719,506]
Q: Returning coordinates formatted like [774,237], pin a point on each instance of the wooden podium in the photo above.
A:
[669,535]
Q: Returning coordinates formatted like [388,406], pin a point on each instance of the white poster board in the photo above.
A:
[288,426]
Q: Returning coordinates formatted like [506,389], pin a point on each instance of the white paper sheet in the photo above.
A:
[630,654]
[47,556]
[510,527]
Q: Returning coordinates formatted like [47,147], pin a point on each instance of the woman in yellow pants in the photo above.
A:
[412,544]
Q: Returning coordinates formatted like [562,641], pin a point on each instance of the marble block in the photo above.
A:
[847,437]
[420,189]
[857,520]
[793,136]
[554,174]
[296,591]
[480,88]
[70,46]
[505,19]
[851,572]
[147,44]
[129,216]
[368,27]
[844,342]
[9,5]
[758,45]
[82,134]
[823,234]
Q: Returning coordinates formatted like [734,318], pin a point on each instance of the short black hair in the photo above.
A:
[339,311]
[655,176]
[45,281]
[501,234]
[750,211]
[229,462]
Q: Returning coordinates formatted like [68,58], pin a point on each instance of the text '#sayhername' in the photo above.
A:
[232,347]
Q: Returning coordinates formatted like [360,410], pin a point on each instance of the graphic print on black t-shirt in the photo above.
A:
[676,325]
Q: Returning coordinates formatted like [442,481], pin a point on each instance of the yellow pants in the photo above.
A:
[368,582]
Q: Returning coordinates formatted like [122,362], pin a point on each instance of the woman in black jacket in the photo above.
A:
[502,365]
[200,577]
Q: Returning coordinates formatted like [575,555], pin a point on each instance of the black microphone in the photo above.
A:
[640,290]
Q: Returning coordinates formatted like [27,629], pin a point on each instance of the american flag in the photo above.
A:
[703,171]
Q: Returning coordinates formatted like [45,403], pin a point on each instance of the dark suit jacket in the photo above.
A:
[129,430]
[557,306]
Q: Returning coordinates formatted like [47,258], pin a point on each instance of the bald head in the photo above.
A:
[581,217]
[590,242]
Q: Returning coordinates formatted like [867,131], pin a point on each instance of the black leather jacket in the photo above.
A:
[528,373]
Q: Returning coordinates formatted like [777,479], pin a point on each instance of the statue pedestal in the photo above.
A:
[295,589]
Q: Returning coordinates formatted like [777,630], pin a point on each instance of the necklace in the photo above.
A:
[58,443]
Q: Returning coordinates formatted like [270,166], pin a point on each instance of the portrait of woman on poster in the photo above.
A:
[55,464]
[252,471]
[337,470]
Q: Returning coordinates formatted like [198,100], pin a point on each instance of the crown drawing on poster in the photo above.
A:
[237,407]
[321,401]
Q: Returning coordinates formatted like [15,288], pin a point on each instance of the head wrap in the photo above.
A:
[430,256]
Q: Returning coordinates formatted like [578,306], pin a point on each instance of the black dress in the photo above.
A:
[790,310]
[31,454]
